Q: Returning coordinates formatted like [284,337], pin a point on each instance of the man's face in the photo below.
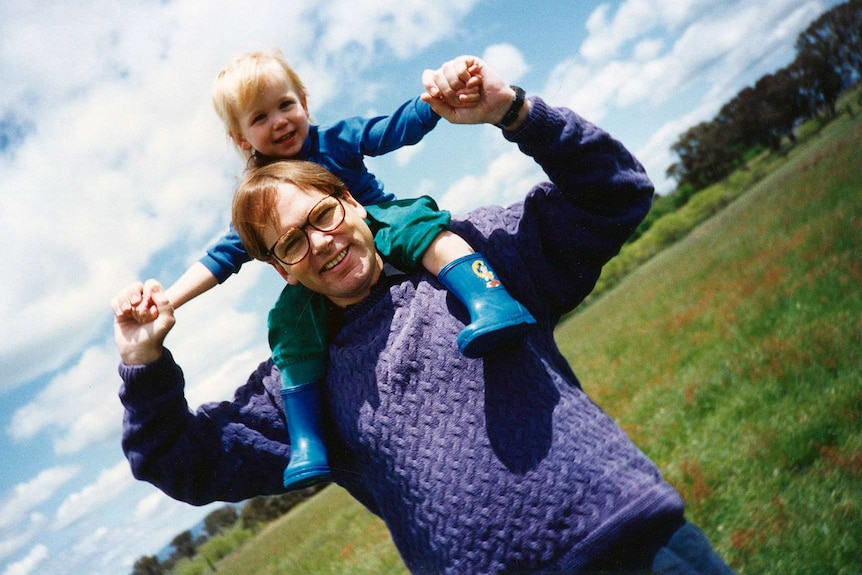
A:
[341,264]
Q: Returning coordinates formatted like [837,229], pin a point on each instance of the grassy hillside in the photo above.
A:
[734,359]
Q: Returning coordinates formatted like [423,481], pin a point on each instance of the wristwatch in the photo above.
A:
[512,113]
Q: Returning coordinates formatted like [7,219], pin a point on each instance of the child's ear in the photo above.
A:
[240,142]
[286,275]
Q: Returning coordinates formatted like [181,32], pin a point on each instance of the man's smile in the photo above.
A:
[334,262]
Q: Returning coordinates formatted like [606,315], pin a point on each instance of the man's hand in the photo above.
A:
[143,318]
[444,85]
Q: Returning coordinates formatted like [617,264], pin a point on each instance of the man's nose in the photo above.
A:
[318,241]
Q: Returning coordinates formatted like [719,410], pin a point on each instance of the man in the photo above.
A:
[492,465]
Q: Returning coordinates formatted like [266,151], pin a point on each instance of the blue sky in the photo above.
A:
[113,167]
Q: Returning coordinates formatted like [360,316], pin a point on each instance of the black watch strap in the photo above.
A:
[517,104]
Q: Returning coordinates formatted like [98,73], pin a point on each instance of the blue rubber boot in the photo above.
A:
[297,337]
[308,460]
[495,316]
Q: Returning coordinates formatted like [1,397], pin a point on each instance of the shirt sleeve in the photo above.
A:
[404,127]
[225,451]
[382,134]
[226,256]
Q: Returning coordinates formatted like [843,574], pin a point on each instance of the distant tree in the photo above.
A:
[829,58]
[782,105]
[820,84]
[705,155]
[222,518]
[147,565]
[836,39]
[265,509]
[184,544]
[742,123]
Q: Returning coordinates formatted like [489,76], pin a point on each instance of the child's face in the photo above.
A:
[276,123]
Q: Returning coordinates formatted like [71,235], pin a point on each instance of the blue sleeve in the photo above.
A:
[404,127]
[227,451]
[226,256]
[344,145]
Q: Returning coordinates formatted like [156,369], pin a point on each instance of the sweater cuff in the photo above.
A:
[542,124]
[142,382]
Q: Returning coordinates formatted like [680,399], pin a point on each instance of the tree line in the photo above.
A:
[251,515]
[828,61]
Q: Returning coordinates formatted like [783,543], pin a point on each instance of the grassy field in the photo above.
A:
[734,359]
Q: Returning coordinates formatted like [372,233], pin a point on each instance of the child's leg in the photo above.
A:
[444,249]
[408,232]
[297,336]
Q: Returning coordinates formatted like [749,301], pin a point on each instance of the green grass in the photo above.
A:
[330,534]
[732,358]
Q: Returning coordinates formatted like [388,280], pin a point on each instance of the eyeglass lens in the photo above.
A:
[325,216]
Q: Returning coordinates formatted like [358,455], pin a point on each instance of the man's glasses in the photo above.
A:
[292,247]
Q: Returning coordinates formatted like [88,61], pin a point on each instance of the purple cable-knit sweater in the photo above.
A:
[492,465]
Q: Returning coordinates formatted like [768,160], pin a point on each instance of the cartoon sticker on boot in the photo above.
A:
[481,269]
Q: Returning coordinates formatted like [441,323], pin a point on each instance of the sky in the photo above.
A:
[114,168]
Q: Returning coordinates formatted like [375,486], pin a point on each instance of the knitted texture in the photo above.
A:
[478,466]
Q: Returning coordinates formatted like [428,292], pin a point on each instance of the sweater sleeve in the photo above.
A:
[597,195]
[226,256]
[549,249]
[227,451]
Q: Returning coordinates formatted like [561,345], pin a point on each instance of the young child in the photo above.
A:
[263,105]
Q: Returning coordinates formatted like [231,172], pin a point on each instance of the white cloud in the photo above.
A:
[28,564]
[92,543]
[609,34]
[405,26]
[606,35]
[20,535]
[26,496]
[150,505]
[404,155]
[110,484]
[91,386]
[507,179]
[507,60]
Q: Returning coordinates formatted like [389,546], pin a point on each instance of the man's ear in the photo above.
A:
[288,277]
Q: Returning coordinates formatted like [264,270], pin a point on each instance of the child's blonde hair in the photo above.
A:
[242,81]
